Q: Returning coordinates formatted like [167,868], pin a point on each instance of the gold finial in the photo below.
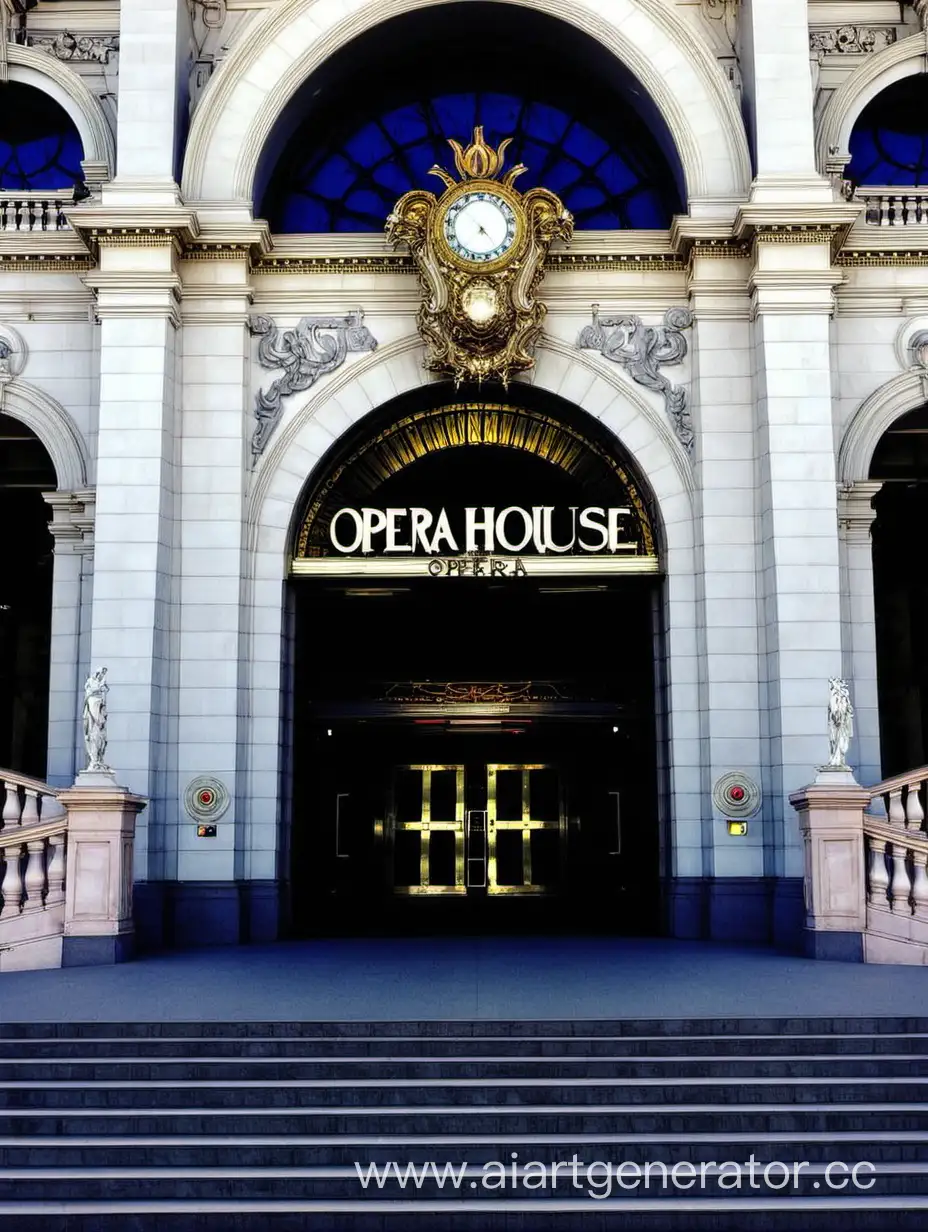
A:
[479,161]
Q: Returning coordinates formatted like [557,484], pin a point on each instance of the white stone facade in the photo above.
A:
[171,549]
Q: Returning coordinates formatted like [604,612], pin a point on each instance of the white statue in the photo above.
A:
[840,723]
[95,691]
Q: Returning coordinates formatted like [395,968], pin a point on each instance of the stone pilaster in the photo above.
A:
[774,38]
[214,680]
[153,36]
[138,291]
[726,579]
[856,516]
[71,528]
[799,592]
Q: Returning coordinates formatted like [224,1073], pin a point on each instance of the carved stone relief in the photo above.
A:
[85,49]
[852,40]
[315,346]
[642,350]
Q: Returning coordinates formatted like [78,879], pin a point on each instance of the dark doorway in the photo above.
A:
[473,755]
[25,598]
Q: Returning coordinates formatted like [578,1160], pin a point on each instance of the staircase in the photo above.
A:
[216,1126]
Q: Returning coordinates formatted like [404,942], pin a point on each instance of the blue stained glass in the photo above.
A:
[353,184]
[39,145]
[889,144]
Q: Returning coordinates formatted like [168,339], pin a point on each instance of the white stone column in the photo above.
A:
[153,38]
[72,588]
[133,591]
[799,590]
[856,516]
[213,682]
[723,396]
[774,44]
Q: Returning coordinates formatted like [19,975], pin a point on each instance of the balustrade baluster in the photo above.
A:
[878,879]
[898,218]
[896,811]
[920,883]
[34,880]
[884,212]
[56,869]
[900,888]
[30,813]
[12,887]
[914,813]
[11,807]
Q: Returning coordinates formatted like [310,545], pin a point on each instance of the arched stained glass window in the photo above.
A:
[39,145]
[889,144]
[352,185]
[368,125]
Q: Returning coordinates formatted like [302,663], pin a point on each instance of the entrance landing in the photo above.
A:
[459,978]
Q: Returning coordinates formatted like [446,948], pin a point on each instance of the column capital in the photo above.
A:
[73,517]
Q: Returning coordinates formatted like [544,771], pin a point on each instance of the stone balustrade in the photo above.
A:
[35,211]
[33,839]
[894,207]
[897,869]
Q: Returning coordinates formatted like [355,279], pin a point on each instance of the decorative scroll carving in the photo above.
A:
[854,40]
[840,723]
[79,48]
[315,346]
[95,691]
[641,350]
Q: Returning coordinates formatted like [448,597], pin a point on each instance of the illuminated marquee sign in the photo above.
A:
[483,529]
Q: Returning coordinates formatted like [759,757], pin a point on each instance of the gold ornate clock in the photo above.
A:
[479,250]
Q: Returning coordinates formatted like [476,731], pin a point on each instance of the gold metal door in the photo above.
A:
[526,829]
[425,830]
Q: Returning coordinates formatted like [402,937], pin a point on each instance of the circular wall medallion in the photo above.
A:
[206,798]
[736,795]
[13,353]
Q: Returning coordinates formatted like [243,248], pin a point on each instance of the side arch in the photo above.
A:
[55,429]
[902,59]
[673,64]
[897,397]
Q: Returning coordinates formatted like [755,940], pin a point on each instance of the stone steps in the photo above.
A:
[259,1126]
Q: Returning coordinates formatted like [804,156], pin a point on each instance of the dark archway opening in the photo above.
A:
[25,598]
[889,144]
[474,752]
[900,591]
[355,137]
[40,147]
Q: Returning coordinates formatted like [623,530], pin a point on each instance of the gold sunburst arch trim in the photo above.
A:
[466,424]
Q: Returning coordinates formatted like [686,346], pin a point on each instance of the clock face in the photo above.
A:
[480,226]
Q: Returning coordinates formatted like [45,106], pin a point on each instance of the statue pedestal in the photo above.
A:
[831,818]
[98,925]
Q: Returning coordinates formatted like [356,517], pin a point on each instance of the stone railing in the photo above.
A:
[893,207]
[32,865]
[35,211]
[897,870]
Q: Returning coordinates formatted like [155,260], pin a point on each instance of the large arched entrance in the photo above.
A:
[474,622]
[25,598]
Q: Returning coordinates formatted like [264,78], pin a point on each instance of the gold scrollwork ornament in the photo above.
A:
[480,252]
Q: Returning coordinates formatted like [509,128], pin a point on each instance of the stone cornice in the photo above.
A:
[817,222]
[73,517]
[142,227]
[856,514]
